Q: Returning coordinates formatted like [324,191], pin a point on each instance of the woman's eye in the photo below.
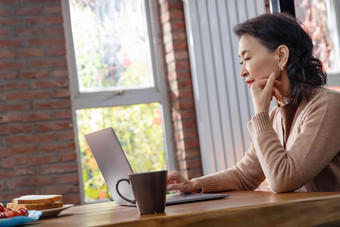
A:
[246,59]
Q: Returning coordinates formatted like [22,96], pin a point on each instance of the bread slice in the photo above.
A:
[37,206]
[36,202]
[36,199]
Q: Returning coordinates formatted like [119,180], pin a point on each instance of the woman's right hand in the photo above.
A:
[177,182]
[262,92]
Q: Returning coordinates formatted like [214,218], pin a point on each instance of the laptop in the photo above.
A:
[114,165]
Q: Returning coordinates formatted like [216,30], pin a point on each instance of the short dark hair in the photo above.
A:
[303,69]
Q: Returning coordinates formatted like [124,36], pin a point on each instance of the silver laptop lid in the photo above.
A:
[112,162]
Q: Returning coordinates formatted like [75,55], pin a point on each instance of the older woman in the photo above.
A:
[295,146]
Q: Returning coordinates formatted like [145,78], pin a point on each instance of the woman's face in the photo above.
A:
[257,61]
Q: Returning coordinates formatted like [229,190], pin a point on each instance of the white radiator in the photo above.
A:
[222,98]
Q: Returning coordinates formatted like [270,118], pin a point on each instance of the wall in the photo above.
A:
[180,88]
[37,151]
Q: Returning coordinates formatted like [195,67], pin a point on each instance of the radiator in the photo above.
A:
[222,98]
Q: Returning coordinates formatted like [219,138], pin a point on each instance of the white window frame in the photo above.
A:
[158,93]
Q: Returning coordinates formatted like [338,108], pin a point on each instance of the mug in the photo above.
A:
[149,189]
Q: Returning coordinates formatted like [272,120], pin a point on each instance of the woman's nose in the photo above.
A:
[243,72]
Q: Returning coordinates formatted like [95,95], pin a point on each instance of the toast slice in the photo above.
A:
[36,199]
[36,202]
[37,206]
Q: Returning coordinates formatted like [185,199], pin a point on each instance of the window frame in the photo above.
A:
[157,93]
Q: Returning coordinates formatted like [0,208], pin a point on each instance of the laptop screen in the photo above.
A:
[111,161]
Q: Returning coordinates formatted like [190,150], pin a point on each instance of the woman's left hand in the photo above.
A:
[262,92]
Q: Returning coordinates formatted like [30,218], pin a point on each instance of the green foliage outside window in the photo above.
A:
[139,129]
[111,44]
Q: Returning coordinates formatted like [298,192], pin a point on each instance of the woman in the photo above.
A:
[295,146]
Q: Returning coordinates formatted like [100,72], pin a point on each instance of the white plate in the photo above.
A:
[54,211]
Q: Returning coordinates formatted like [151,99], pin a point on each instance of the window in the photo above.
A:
[117,80]
[321,18]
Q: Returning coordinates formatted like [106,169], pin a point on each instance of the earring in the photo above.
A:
[281,68]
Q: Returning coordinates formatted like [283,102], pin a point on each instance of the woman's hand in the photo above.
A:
[262,92]
[177,182]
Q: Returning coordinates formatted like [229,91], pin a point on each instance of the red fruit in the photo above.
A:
[11,213]
[23,211]
[2,215]
[2,209]
[8,209]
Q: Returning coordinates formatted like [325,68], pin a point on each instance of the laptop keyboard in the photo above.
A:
[176,197]
[180,198]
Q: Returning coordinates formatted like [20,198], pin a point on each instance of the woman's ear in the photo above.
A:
[283,53]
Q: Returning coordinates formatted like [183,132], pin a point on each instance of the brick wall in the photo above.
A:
[266,2]
[37,149]
[180,88]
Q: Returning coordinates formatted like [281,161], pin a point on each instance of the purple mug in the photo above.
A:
[149,190]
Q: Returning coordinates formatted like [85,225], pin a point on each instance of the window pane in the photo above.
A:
[139,129]
[318,18]
[111,45]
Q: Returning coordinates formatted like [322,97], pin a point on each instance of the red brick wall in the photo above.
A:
[266,2]
[37,149]
[180,88]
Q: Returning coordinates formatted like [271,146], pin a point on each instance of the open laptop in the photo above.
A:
[114,165]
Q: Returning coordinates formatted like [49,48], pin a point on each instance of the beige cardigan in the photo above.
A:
[305,159]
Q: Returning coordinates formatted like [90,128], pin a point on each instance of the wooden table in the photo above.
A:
[253,208]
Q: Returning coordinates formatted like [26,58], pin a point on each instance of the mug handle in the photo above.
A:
[127,180]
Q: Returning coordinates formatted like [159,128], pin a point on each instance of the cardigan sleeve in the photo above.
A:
[245,175]
[316,144]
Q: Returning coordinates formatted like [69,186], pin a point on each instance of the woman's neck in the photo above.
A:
[284,88]
[285,85]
